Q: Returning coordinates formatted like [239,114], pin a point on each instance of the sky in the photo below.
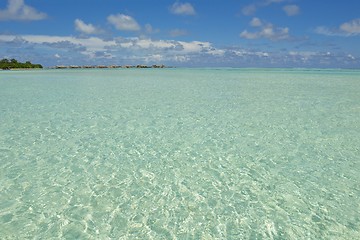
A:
[197,33]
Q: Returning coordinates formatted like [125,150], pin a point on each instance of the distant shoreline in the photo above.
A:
[173,67]
[22,69]
[107,66]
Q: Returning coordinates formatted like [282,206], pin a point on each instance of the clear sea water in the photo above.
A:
[180,154]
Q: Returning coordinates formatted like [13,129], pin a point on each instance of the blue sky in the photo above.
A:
[200,33]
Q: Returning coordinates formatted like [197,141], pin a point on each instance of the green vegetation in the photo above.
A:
[13,63]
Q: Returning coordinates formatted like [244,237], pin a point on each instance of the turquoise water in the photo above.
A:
[180,154]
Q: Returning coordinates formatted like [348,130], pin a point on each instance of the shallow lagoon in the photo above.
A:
[180,154]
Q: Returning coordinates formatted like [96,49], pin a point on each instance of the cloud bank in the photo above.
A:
[68,50]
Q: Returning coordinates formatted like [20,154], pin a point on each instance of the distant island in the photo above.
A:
[6,64]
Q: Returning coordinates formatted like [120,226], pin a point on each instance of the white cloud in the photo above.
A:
[246,54]
[168,45]
[144,43]
[154,58]
[149,50]
[351,57]
[252,8]
[255,22]
[182,9]
[216,52]
[306,54]
[313,57]
[86,28]
[102,55]
[123,22]
[181,58]
[351,28]
[291,10]
[57,55]
[326,31]
[195,46]
[18,10]
[267,30]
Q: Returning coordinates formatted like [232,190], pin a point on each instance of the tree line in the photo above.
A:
[13,63]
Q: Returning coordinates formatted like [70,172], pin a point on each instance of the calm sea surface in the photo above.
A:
[180,154]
